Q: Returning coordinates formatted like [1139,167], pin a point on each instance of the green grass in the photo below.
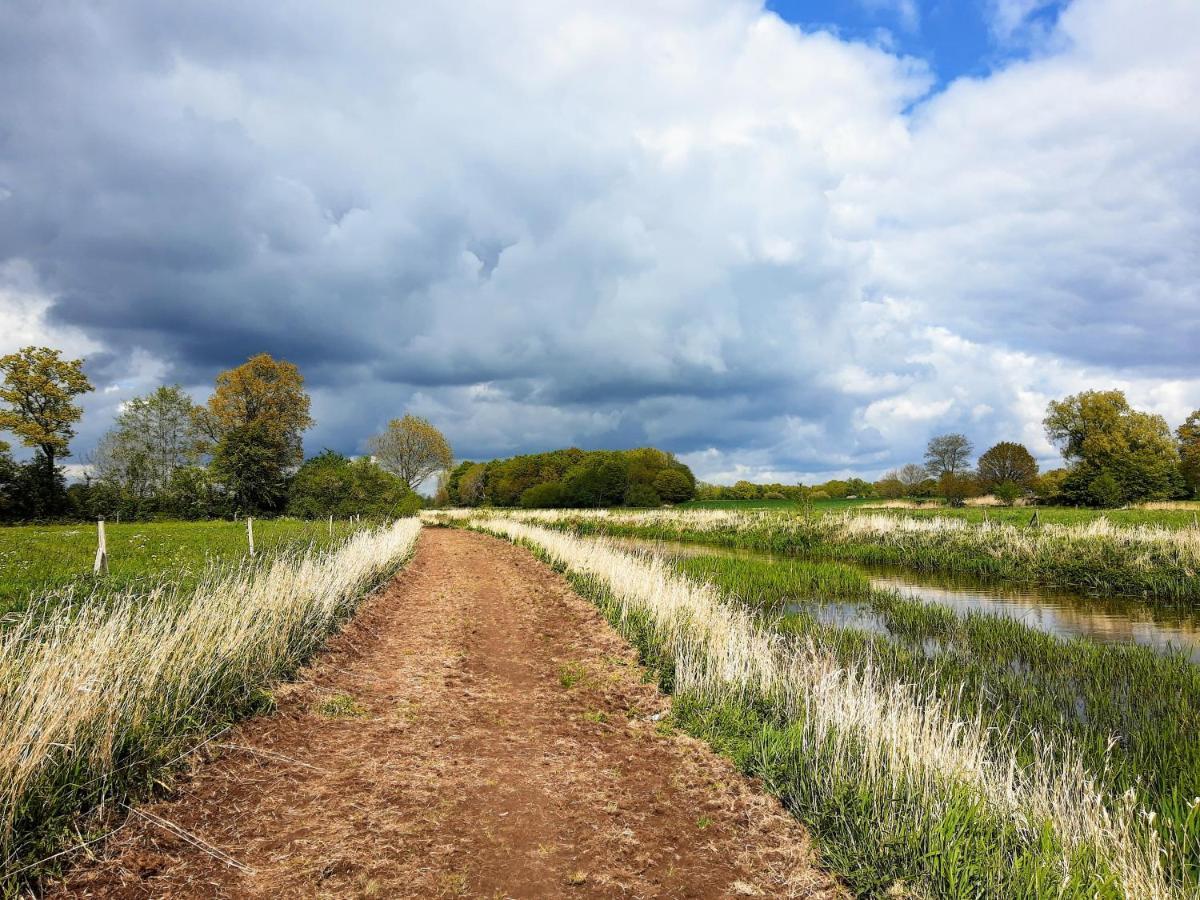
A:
[38,561]
[1133,713]
[817,506]
[1058,515]
[1099,564]
[890,845]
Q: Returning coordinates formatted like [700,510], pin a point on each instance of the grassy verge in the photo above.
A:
[45,563]
[94,701]
[908,795]
[1131,714]
[1141,561]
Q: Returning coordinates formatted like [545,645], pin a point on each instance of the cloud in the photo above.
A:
[905,11]
[686,223]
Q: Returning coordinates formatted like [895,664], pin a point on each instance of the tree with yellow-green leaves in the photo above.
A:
[40,388]
[1116,454]
[253,426]
[411,448]
[1189,451]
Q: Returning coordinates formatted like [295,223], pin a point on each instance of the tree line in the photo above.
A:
[643,477]
[241,452]
[1113,455]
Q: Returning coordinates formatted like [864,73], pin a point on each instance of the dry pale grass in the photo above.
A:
[121,680]
[893,737]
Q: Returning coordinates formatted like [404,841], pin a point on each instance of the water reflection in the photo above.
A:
[1111,620]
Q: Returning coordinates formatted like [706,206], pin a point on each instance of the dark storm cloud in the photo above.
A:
[607,224]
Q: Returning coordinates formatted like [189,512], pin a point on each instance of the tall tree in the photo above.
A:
[266,393]
[947,454]
[254,423]
[154,436]
[411,448]
[1189,451]
[1007,463]
[911,475]
[1099,434]
[40,387]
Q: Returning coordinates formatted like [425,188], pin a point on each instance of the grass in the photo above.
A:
[38,562]
[1069,693]
[340,706]
[1141,561]
[96,699]
[909,776]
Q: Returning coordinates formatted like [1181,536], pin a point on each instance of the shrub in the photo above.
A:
[673,486]
[1007,492]
[642,495]
[542,496]
[1104,491]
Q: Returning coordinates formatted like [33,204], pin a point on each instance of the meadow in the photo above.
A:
[948,757]
[41,563]
[1151,561]
[99,697]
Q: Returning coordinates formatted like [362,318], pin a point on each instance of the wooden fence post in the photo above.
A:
[250,533]
[101,564]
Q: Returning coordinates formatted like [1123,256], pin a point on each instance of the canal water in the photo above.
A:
[1107,619]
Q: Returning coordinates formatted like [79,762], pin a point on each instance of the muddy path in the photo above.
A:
[477,731]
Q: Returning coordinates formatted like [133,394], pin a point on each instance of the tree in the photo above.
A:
[911,475]
[1007,462]
[670,485]
[249,461]
[1104,491]
[472,485]
[332,484]
[8,483]
[599,481]
[1098,433]
[958,487]
[642,495]
[411,448]
[889,487]
[1008,492]
[947,454]
[547,495]
[1189,451]
[40,387]
[267,394]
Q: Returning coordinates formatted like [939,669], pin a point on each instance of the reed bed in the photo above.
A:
[97,696]
[905,793]
[1143,560]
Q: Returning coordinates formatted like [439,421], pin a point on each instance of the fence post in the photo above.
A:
[101,564]
[250,533]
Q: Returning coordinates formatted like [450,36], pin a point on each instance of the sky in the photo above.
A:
[788,241]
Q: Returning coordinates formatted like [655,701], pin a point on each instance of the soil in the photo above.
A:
[478,730]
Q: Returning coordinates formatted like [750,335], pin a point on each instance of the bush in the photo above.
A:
[642,495]
[673,486]
[545,496]
[1007,492]
[1104,491]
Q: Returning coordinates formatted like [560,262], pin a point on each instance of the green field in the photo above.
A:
[1184,517]
[37,562]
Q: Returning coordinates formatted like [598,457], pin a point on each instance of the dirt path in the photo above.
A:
[478,731]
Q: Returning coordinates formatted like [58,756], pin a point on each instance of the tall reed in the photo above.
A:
[875,762]
[1141,560]
[95,696]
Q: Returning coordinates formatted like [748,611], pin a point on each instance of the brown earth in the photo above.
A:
[478,730]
